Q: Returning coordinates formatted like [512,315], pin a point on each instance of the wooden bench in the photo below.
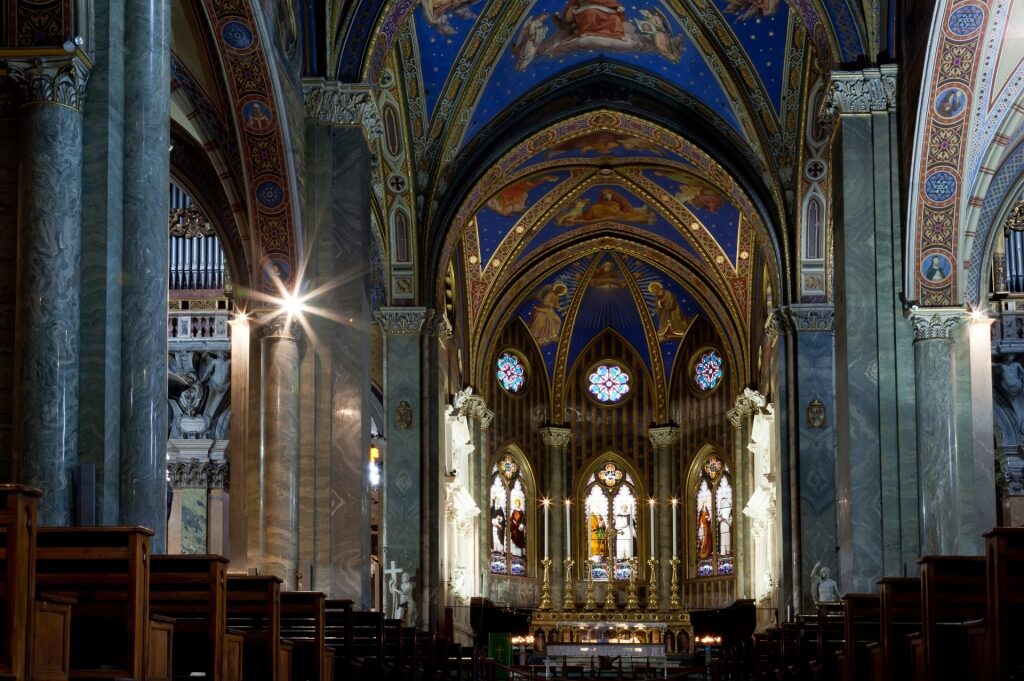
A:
[831,625]
[303,623]
[1004,559]
[899,617]
[860,628]
[105,570]
[34,630]
[254,609]
[193,590]
[953,592]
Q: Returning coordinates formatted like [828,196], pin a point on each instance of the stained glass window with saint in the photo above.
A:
[508,518]
[713,519]
[611,522]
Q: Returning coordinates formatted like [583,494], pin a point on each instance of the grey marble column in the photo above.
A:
[143,465]
[874,382]
[938,475]
[46,344]
[403,402]
[665,441]
[555,441]
[813,328]
[480,420]
[279,449]
[8,267]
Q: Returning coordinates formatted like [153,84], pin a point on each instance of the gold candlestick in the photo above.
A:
[673,601]
[589,602]
[632,601]
[569,594]
[652,587]
[545,588]
[609,594]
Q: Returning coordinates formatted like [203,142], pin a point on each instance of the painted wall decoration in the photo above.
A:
[762,27]
[603,204]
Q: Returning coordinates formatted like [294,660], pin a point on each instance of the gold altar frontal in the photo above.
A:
[669,627]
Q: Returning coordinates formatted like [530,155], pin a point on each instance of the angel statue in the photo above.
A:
[823,588]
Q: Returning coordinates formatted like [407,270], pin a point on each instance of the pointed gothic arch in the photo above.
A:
[513,546]
[710,515]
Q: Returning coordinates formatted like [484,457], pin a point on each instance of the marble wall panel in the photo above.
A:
[193,520]
[8,279]
[102,225]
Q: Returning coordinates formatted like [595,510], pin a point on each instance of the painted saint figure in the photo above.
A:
[517,529]
[704,533]
[603,18]
[671,321]
[625,533]
[545,322]
[497,528]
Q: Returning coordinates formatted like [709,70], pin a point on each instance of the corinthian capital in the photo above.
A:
[664,436]
[346,104]
[57,79]
[281,326]
[476,408]
[555,437]
[403,321]
[860,92]
[936,323]
[812,317]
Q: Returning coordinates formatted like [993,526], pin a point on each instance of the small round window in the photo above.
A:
[608,383]
[511,372]
[708,370]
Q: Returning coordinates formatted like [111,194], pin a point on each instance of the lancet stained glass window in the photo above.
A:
[708,371]
[611,518]
[713,507]
[609,383]
[508,518]
[511,372]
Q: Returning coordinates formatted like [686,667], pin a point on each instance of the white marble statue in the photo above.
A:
[823,588]
[403,600]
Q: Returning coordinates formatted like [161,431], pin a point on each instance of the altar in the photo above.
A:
[602,656]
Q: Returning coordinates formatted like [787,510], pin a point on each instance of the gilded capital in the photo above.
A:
[403,321]
[553,436]
[812,317]
[50,79]
[343,104]
[936,323]
[664,436]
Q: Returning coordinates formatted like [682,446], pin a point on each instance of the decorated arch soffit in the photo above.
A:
[251,84]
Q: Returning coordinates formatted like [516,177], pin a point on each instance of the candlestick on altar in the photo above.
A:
[568,532]
[547,546]
[652,528]
[675,512]
[569,594]
[545,590]
[673,602]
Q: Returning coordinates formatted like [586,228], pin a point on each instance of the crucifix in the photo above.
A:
[393,573]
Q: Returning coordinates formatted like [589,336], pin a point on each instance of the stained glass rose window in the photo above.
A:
[511,373]
[708,371]
[609,383]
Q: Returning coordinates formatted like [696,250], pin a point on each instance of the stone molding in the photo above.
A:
[776,324]
[476,408]
[812,317]
[402,321]
[936,323]
[57,79]
[281,326]
[748,403]
[664,436]
[860,92]
[552,436]
[196,474]
[438,325]
[1010,475]
[343,104]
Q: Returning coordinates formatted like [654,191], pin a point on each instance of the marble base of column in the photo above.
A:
[279,465]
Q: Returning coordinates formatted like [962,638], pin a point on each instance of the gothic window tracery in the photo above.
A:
[509,517]
[713,518]
[611,522]
[608,383]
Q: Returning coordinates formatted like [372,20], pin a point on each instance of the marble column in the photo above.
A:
[938,457]
[46,344]
[403,402]
[480,418]
[340,127]
[813,328]
[240,454]
[279,450]
[874,381]
[979,410]
[143,465]
[556,441]
[665,441]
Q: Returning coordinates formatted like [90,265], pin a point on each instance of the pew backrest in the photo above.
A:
[18,516]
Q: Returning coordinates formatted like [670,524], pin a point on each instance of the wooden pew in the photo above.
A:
[1004,559]
[860,628]
[254,608]
[34,631]
[303,623]
[953,592]
[105,570]
[831,624]
[193,590]
[899,617]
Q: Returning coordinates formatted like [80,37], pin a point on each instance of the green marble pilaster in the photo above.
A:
[555,441]
[45,417]
[875,497]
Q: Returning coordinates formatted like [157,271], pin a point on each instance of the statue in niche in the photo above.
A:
[1011,390]
[823,588]
[404,600]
